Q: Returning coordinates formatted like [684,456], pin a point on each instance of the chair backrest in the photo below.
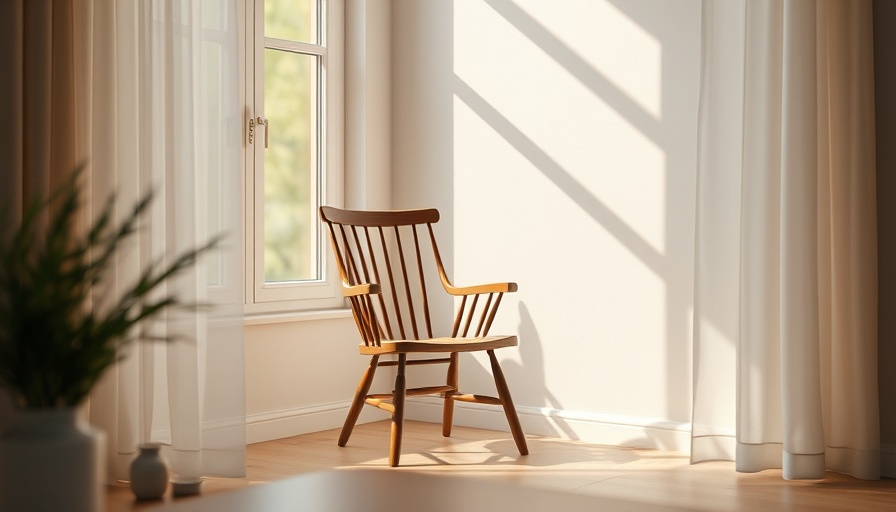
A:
[382,249]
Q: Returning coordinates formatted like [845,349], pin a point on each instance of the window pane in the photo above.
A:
[290,167]
[293,20]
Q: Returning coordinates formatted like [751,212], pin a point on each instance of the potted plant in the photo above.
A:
[55,344]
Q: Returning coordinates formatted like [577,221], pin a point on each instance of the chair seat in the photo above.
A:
[440,345]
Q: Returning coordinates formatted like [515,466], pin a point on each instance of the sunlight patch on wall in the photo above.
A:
[608,40]
[579,122]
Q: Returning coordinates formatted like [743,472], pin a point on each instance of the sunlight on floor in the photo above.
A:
[649,477]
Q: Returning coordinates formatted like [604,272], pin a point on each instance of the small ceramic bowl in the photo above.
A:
[185,486]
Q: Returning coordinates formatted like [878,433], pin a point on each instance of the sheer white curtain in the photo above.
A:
[164,115]
[786,289]
[144,91]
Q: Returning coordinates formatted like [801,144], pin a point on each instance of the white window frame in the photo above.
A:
[325,293]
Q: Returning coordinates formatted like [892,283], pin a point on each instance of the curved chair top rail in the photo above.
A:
[379,218]
[381,263]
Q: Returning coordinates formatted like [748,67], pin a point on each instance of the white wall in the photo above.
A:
[301,376]
[559,141]
[367,104]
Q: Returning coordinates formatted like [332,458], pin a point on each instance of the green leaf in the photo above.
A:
[54,346]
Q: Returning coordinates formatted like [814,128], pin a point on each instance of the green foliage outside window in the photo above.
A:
[291,159]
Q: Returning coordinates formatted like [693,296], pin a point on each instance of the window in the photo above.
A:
[293,151]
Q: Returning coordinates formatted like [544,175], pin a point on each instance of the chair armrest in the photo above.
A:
[360,289]
[482,288]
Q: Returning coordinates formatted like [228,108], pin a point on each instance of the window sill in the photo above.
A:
[296,316]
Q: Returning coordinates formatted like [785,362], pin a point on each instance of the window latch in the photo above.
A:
[267,130]
[259,121]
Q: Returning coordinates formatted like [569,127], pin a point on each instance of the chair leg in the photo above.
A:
[448,411]
[509,410]
[398,396]
[358,402]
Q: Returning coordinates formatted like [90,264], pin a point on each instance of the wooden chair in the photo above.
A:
[380,262]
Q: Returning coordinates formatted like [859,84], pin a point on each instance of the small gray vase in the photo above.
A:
[149,473]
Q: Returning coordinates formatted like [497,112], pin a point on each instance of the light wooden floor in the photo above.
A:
[642,476]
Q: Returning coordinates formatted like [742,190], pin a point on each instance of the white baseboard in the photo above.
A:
[303,420]
[584,426]
[589,427]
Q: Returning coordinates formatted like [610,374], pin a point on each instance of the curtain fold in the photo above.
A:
[37,107]
[166,118]
[786,203]
[145,93]
[38,152]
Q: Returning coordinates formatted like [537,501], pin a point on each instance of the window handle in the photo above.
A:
[267,130]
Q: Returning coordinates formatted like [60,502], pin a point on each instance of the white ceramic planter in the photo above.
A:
[51,460]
